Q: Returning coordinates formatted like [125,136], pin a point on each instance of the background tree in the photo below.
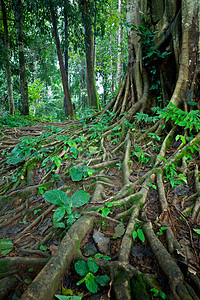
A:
[7,60]
[61,62]
[22,65]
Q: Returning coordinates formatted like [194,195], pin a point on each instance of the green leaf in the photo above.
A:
[61,297]
[5,246]
[76,173]
[91,283]
[103,280]
[197,230]
[141,235]
[81,267]
[92,265]
[58,214]
[105,212]
[74,150]
[183,178]
[56,197]
[134,234]
[80,198]
[59,225]
[43,248]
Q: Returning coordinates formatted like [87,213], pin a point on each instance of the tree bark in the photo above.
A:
[7,61]
[61,63]
[22,63]
[90,56]
[120,46]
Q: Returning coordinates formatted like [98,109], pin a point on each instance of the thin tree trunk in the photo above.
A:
[112,55]
[66,54]
[120,46]
[7,63]
[90,57]
[61,63]
[22,68]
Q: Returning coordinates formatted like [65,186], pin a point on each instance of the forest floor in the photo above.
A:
[135,207]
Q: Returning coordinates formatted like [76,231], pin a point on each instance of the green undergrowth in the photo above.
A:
[22,121]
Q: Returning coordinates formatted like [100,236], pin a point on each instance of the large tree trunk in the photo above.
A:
[120,45]
[90,56]
[176,75]
[7,61]
[68,102]
[22,64]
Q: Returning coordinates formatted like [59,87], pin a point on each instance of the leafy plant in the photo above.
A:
[106,209]
[66,204]
[77,173]
[6,246]
[141,117]
[138,233]
[140,155]
[157,293]
[88,269]
[162,228]
[172,175]
[188,120]
[101,256]
[41,190]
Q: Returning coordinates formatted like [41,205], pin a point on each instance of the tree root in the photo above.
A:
[46,283]
[179,288]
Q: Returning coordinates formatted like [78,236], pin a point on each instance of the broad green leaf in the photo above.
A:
[103,280]
[80,198]
[81,267]
[92,265]
[197,230]
[91,284]
[58,214]
[141,235]
[134,234]
[5,246]
[56,197]
[76,173]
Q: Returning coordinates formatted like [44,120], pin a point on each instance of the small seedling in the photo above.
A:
[66,204]
[153,186]
[36,211]
[41,190]
[138,233]
[88,269]
[160,232]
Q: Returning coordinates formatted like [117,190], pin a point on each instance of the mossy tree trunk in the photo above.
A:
[174,78]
